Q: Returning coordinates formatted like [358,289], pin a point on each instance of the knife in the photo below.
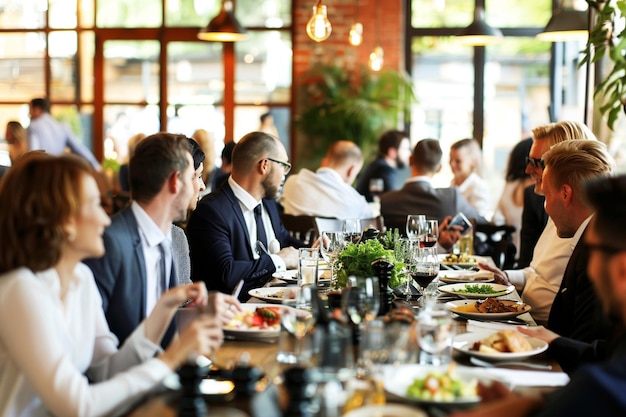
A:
[237,289]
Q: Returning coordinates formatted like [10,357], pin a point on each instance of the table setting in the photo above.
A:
[373,338]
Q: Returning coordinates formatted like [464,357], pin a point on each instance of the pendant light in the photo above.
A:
[319,26]
[377,56]
[355,37]
[566,24]
[224,27]
[479,33]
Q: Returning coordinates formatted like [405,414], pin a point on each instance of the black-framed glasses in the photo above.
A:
[601,247]
[286,165]
[535,162]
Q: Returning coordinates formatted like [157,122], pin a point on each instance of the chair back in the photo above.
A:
[303,228]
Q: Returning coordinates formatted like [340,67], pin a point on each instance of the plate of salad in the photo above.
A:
[484,290]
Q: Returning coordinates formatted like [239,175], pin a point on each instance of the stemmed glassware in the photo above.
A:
[426,270]
[361,301]
[429,233]
[434,331]
[301,318]
[331,245]
[376,186]
[414,224]
[352,230]
[405,252]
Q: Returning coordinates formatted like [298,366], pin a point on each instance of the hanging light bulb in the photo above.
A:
[356,34]
[319,26]
[377,58]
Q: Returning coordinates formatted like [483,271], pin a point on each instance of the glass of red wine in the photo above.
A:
[426,271]
[428,233]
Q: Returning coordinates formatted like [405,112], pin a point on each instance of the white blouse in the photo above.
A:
[476,192]
[49,344]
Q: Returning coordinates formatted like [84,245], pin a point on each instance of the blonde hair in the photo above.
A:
[474,152]
[563,131]
[574,162]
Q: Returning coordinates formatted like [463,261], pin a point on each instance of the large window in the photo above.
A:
[117,68]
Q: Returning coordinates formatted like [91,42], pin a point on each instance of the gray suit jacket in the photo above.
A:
[420,197]
[121,277]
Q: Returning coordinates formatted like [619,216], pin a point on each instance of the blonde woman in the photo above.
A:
[466,163]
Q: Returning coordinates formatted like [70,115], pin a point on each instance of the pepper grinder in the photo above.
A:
[382,268]
[191,403]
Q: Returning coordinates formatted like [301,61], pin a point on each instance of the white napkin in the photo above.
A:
[475,326]
[521,378]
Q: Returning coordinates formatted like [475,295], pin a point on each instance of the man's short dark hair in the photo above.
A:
[196,153]
[40,103]
[156,157]
[227,152]
[607,196]
[427,154]
[265,116]
[390,140]
[251,149]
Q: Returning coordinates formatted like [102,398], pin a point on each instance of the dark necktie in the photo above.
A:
[162,268]
[260,229]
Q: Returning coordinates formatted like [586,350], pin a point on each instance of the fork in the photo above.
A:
[485,364]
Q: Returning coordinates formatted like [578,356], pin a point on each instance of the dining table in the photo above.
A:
[269,396]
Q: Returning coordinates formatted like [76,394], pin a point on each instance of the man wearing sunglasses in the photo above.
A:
[236,233]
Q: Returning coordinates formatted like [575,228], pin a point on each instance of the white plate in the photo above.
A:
[253,333]
[463,343]
[272,295]
[456,289]
[396,380]
[387,410]
[456,307]
[457,276]
[290,276]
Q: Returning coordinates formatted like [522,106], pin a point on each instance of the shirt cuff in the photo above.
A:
[141,345]
[278,263]
[517,278]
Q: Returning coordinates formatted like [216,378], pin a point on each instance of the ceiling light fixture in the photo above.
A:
[566,24]
[224,27]
[319,26]
[479,33]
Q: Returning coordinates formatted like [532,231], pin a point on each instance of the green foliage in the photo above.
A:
[603,42]
[338,104]
[356,259]
[389,239]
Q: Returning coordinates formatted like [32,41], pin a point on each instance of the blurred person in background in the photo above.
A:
[223,173]
[466,163]
[205,140]
[17,139]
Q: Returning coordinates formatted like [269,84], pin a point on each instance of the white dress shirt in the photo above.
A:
[541,281]
[151,237]
[323,194]
[48,343]
[247,204]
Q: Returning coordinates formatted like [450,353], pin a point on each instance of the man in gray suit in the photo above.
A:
[418,196]
[137,266]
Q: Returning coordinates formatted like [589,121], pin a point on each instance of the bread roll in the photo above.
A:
[515,341]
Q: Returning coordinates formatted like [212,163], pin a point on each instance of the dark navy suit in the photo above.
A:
[121,277]
[219,244]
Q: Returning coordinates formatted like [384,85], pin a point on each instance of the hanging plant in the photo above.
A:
[604,42]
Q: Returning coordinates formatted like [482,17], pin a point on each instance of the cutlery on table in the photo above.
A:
[485,364]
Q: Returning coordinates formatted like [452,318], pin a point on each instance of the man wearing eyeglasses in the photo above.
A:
[235,232]
[539,282]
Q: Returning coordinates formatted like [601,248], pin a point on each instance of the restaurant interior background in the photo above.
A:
[115,68]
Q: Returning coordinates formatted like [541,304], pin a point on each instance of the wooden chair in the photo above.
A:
[303,228]
[327,224]
[497,242]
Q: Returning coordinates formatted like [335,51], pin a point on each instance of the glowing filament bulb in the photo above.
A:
[376,59]
[356,34]
[319,26]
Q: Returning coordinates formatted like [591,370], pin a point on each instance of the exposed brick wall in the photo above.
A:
[382,24]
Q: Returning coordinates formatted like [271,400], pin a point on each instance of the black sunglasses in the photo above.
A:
[535,162]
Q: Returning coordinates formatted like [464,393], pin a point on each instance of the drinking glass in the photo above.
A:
[308,265]
[376,186]
[352,230]
[297,321]
[434,332]
[363,304]
[331,245]
[429,233]
[426,270]
[404,251]
[414,224]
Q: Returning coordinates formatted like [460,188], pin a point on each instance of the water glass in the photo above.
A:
[435,331]
[298,317]
[308,259]
[331,245]
[352,230]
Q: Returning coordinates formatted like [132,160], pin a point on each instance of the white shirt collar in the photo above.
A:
[242,195]
[331,172]
[579,231]
[147,227]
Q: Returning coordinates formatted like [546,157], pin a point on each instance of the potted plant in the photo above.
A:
[358,105]
[604,42]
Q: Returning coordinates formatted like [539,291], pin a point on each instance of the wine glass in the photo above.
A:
[404,251]
[361,302]
[413,224]
[376,187]
[299,316]
[434,331]
[426,270]
[331,245]
[352,230]
[428,233]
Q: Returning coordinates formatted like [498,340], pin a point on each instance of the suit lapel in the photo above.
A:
[236,207]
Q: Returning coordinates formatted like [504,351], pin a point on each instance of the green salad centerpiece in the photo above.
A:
[356,259]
